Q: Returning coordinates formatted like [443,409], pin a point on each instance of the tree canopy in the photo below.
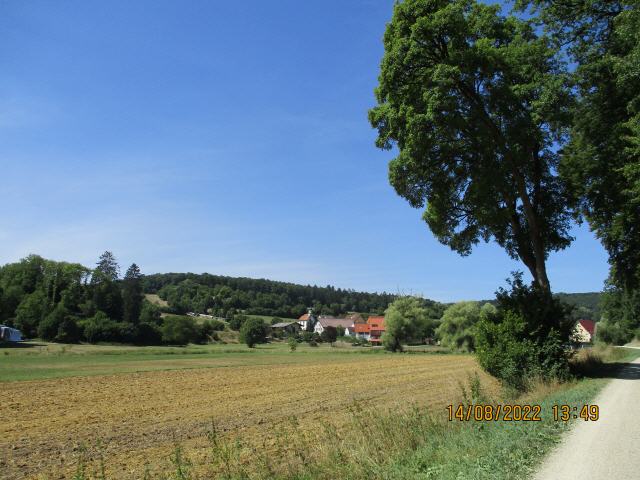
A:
[476,103]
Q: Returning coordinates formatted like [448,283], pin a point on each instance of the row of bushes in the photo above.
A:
[61,327]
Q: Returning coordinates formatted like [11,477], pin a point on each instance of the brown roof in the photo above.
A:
[335,322]
[304,318]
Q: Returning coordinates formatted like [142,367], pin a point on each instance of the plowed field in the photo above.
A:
[137,416]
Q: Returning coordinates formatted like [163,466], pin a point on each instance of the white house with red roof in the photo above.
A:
[584,331]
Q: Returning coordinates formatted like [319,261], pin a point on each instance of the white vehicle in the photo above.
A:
[9,334]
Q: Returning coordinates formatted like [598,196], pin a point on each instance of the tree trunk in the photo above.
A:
[539,273]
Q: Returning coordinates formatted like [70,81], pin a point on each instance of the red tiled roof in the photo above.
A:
[376,322]
[304,317]
[589,325]
[362,328]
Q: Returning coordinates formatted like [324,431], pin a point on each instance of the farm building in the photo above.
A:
[8,334]
[324,322]
[583,331]
[286,327]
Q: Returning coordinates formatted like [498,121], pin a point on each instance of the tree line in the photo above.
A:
[68,302]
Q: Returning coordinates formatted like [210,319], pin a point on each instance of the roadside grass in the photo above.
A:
[601,360]
[414,443]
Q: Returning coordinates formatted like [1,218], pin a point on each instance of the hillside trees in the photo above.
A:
[226,296]
[68,302]
[474,103]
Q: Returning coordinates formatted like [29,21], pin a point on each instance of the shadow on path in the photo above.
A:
[622,371]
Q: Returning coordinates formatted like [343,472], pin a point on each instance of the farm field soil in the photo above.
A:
[136,417]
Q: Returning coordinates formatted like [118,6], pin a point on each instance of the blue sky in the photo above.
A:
[226,137]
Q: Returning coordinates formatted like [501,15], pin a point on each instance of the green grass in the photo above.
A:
[49,360]
[267,318]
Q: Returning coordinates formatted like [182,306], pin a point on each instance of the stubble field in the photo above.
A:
[133,419]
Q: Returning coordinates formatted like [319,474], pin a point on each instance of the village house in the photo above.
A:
[583,331]
[370,331]
[324,322]
[309,316]
[376,329]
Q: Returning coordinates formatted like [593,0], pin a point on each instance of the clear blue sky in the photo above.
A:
[222,137]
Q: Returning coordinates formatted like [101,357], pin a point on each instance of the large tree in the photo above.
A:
[601,162]
[476,104]
[106,291]
[132,294]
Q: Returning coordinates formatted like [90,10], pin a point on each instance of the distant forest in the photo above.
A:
[223,296]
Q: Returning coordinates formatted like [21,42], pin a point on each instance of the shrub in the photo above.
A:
[148,334]
[48,328]
[235,323]
[208,330]
[526,338]
[293,344]
[150,313]
[253,331]
[614,333]
[69,331]
[179,330]
[100,328]
[329,334]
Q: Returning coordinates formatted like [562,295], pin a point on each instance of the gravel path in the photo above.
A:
[608,448]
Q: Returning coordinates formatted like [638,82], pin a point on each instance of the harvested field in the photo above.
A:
[137,416]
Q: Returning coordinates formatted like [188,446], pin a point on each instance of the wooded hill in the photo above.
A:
[224,296]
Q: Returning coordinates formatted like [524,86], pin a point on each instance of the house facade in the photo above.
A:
[307,317]
[376,329]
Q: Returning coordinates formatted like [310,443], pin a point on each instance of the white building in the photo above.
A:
[324,322]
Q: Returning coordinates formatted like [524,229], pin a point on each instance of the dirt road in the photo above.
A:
[608,448]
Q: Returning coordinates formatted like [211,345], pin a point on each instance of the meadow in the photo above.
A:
[132,404]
